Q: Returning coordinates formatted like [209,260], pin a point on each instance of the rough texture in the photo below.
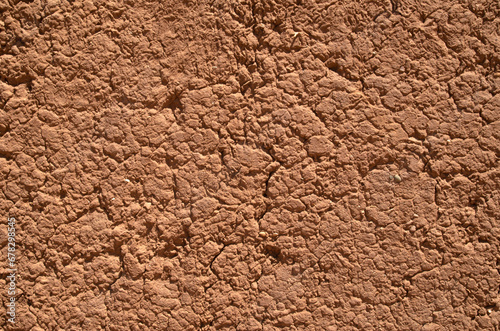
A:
[252,165]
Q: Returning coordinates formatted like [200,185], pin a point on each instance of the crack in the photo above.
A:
[265,193]
[210,266]
[143,284]
[394,7]
[231,171]
[213,260]
[174,176]
[271,174]
[439,210]
[120,274]
[102,204]
[426,164]
[410,278]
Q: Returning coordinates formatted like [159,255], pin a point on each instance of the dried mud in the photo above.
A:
[251,165]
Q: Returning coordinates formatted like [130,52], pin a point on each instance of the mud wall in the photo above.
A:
[251,165]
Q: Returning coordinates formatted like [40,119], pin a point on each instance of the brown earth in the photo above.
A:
[251,165]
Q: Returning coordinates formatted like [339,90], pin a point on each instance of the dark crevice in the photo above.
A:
[394,7]
[271,174]
[176,107]
[213,260]
[273,252]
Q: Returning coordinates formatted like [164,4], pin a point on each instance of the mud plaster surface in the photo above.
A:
[233,165]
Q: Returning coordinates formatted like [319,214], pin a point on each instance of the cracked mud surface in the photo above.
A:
[251,165]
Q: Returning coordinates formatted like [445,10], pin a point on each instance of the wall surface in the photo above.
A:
[251,164]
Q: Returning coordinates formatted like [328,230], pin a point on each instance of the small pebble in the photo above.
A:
[397,178]
[127,180]
[263,234]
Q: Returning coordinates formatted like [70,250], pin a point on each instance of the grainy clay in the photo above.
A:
[251,164]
